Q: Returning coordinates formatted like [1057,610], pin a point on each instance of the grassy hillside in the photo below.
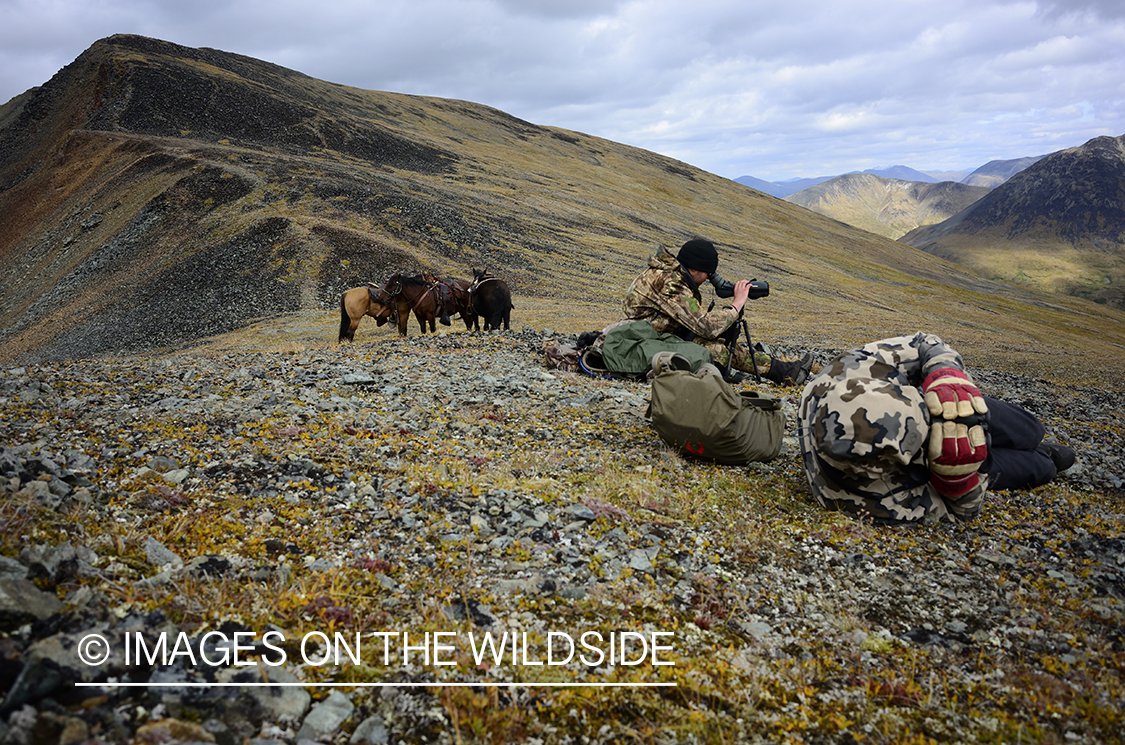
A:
[163,194]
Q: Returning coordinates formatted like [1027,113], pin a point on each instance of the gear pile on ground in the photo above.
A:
[234,504]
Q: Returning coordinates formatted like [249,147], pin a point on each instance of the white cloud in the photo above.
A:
[808,87]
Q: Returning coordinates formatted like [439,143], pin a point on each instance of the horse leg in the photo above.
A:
[492,320]
[346,333]
[403,318]
[479,316]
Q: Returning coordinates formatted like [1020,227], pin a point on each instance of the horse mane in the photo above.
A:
[415,280]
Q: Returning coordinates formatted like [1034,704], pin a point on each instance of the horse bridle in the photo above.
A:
[385,293]
[480,281]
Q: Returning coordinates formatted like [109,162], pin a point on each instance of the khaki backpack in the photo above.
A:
[701,416]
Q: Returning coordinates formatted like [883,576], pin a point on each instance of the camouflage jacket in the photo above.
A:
[665,297]
[863,425]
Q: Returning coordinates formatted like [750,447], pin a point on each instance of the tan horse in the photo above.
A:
[357,303]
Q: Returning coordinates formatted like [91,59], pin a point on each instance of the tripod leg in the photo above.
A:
[750,347]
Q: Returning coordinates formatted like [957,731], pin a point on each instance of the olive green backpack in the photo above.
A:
[702,416]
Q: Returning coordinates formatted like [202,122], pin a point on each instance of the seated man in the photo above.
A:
[667,296]
[896,431]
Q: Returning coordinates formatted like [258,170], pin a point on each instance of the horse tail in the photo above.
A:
[345,321]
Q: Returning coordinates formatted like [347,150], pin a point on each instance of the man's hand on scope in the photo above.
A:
[741,293]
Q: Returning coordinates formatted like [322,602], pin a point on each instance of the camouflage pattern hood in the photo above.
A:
[862,425]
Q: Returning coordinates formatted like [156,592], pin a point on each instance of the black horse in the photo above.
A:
[489,298]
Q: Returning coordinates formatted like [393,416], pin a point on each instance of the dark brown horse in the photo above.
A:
[490,299]
[453,295]
[357,303]
[413,294]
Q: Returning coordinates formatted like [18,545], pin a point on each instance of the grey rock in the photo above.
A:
[326,716]
[640,559]
[372,731]
[48,562]
[11,569]
[58,659]
[177,476]
[41,492]
[162,464]
[582,512]
[276,702]
[22,602]
[758,629]
[157,554]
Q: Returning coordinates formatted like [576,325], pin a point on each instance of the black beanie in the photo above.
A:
[700,255]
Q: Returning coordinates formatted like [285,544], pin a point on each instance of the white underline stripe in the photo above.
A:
[376,685]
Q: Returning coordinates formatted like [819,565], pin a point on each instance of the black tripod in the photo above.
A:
[729,375]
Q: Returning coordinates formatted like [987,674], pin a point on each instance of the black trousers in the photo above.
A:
[1013,461]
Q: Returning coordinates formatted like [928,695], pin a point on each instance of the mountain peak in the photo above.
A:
[1067,205]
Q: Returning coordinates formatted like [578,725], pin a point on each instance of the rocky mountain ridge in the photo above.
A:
[995,172]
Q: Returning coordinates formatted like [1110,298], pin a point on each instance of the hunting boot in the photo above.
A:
[792,372]
[1060,455]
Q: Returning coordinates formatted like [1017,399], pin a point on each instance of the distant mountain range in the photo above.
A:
[991,174]
[1054,222]
[889,207]
[893,201]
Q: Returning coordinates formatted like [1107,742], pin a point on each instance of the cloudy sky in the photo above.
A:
[775,89]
